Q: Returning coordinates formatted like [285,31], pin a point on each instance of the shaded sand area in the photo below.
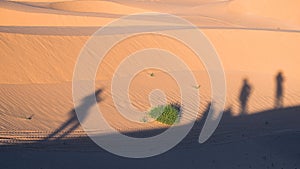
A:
[40,41]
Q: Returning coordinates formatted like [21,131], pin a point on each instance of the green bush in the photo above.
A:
[167,114]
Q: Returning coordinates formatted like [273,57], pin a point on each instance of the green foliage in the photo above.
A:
[167,114]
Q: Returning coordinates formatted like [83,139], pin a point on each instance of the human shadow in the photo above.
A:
[252,138]
[73,123]
[244,96]
[279,90]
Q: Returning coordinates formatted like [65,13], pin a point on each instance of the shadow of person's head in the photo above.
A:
[96,95]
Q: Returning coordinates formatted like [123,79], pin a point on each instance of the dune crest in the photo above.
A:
[95,6]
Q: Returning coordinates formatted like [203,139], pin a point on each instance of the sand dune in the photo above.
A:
[13,14]
[50,57]
[95,6]
[238,13]
[40,41]
[202,13]
[39,86]
[250,58]
[252,45]
[279,10]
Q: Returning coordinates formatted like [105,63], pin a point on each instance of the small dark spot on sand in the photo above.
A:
[30,117]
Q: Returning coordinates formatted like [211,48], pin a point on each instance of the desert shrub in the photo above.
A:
[167,114]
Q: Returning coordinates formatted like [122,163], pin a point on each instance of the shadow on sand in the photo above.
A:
[73,123]
[259,140]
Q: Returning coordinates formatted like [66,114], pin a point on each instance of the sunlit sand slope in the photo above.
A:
[40,42]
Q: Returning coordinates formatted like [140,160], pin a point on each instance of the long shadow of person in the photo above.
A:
[279,90]
[244,96]
[73,123]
